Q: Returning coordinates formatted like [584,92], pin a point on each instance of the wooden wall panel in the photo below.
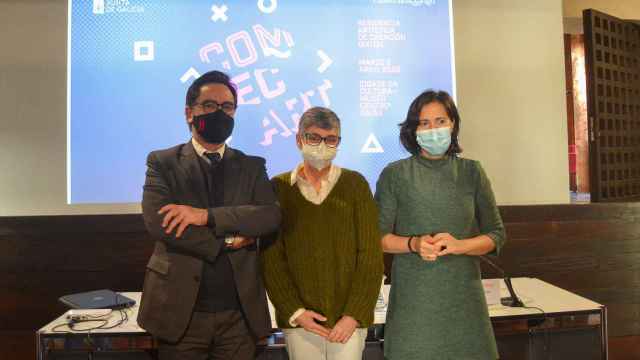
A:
[592,250]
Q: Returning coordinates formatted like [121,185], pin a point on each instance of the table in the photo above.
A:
[523,333]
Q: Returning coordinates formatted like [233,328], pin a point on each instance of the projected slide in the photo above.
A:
[131,62]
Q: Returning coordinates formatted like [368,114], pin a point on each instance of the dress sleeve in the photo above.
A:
[387,202]
[487,213]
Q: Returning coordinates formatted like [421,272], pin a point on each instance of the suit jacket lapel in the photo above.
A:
[231,175]
[193,174]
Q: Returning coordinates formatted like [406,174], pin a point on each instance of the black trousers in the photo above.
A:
[212,336]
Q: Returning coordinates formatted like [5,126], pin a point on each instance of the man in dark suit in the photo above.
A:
[206,204]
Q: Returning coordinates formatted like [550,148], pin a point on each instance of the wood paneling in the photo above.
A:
[592,250]
[624,348]
[613,105]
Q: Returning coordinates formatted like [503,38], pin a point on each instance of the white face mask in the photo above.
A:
[319,156]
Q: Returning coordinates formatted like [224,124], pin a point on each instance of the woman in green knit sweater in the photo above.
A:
[437,214]
[323,272]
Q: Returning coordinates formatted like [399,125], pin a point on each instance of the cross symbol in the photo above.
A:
[219,12]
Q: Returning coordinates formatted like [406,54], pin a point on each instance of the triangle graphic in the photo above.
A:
[372,145]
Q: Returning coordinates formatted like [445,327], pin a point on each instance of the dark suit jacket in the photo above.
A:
[173,273]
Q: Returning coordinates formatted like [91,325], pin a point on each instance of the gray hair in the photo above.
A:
[320,117]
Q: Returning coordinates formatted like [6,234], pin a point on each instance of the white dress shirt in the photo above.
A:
[200,150]
[309,191]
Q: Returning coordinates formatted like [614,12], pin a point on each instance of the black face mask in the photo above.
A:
[215,127]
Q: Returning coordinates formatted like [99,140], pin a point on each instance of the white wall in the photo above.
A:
[511,94]
[33,37]
[509,60]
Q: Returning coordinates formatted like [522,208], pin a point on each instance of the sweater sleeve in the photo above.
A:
[277,275]
[369,264]
[487,213]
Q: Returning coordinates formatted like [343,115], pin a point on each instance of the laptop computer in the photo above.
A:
[98,299]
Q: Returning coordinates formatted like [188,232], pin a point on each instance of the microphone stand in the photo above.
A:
[513,300]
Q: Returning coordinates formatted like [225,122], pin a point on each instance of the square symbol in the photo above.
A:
[143,51]
[98,7]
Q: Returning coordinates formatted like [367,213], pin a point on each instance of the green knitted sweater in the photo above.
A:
[326,258]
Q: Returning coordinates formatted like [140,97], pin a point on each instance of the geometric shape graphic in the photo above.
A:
[326,61]
[98,6]
[273,4]
[143,51]
[219,13]
[191,73]
[372,145]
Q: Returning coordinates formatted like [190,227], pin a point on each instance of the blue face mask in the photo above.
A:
[434,141]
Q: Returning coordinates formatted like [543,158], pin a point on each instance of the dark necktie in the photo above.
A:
[214,159]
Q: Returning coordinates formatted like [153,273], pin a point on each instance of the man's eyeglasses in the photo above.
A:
[315,140]
[211,106]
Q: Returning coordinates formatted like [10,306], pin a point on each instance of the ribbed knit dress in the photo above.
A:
[437,310]
[327,257]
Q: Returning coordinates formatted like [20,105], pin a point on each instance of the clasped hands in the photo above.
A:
[178,217]
[430,247]
[341,332]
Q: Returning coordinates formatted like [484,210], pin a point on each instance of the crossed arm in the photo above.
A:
[188,228]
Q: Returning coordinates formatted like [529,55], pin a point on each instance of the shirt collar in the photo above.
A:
[331,176]
[200,150]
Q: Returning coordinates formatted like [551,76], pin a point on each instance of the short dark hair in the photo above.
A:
[211,77]
[409,126]
[321,117]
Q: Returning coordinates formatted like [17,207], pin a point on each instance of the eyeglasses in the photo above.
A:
[315,140]
[211,106]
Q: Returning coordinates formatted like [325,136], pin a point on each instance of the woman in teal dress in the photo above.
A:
[437,214]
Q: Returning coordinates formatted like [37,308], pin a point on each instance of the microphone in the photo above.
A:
[512,300]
